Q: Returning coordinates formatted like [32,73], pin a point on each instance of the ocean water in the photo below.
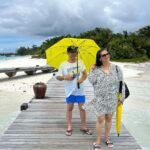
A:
[136,109]
[3,58]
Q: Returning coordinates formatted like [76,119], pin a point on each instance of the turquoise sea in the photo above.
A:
[3,58]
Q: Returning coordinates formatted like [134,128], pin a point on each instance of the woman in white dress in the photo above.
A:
[105,80]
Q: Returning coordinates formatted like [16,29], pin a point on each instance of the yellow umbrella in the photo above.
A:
[119,115]
[87,50]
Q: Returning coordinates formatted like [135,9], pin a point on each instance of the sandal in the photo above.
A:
[109,144]
[68,132]
[86,131]
[97,146]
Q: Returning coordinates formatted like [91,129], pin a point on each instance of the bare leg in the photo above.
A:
[108,123]
[82,116]
[99,125]
[69,115]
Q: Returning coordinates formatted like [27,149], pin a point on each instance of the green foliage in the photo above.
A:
[144,32]
[147,47]
[22,51]
[120,50]
[101,36]
[124,46]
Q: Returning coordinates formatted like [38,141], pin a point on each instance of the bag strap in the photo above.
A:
[120,83]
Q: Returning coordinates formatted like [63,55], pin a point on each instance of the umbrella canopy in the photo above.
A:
[87,50]
[119,115]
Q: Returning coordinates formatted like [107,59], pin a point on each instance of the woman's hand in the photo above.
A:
[120,98]
[120,102]
[92,68]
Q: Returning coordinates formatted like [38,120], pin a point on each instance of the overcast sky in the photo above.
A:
[28,22]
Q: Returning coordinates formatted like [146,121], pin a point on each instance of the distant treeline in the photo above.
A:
[126,46]
[7,54]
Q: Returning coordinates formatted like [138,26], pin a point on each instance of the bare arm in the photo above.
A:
[83,77]
[60,78]
[92,68]
[64,77]
[92,75]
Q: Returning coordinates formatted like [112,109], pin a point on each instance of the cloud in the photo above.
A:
[57,17]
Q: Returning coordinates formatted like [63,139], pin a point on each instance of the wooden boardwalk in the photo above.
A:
[42,126]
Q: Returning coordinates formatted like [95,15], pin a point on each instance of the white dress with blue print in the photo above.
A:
[106,88]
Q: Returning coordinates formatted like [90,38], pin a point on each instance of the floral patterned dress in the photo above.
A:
[106,88]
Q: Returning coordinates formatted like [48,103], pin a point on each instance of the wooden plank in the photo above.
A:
[42,126]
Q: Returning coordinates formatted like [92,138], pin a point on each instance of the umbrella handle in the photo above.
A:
[78,85]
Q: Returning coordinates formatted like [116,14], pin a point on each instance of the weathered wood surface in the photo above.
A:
[42,126]
[10,72]
[4,70]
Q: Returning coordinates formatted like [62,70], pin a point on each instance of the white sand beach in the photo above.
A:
[19,89]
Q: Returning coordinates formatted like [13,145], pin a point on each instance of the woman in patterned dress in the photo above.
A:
[105,80]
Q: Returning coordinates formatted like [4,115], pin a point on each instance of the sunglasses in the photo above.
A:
[105,55]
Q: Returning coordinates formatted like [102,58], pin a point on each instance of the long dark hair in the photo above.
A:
[98,55]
